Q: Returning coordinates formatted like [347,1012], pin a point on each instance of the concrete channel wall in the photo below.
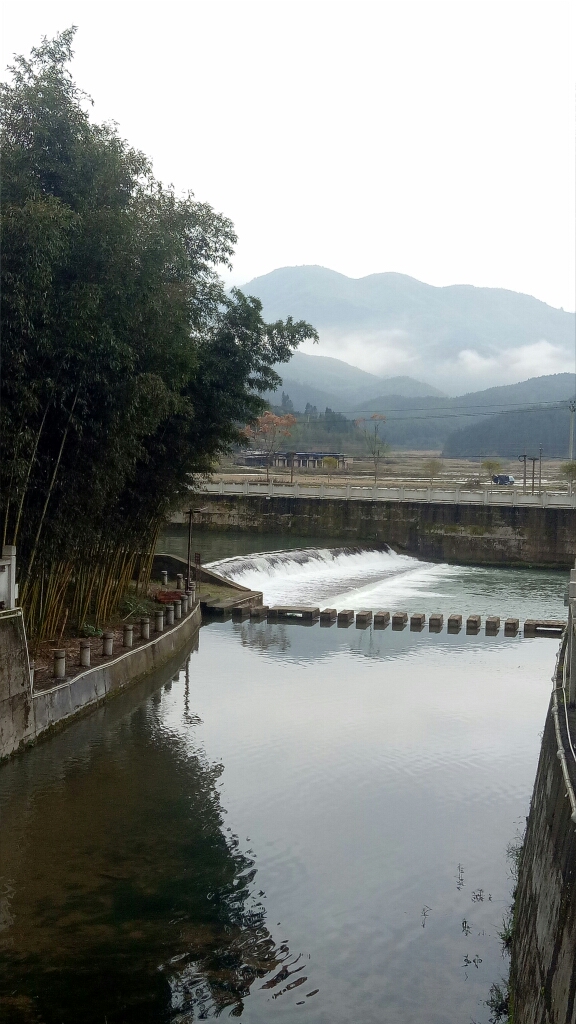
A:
[439,531]
[543,974]
[26,714]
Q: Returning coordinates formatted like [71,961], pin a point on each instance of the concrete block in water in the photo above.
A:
[345,617]
[473,623]
[454,623]
[239,614]
[328,616]
[301,613]
[381,620]
[259,612]
[417,621]
[492,624]
[435,622]
[511,627]
[399,620]
[363,618]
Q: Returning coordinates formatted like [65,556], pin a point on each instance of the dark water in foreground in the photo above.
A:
[305,824]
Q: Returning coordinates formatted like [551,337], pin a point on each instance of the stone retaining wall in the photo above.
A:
[25,715]
[469,534]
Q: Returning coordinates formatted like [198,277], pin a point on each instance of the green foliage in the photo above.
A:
[127,369]
[498,1002]
[568,470]
[491,467]
[432,468]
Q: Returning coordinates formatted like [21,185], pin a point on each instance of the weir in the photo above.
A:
[446,531]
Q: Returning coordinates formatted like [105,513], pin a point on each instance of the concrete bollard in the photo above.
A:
[169,620]
[159,621]
[164,575]
[107,644]
[85,653]
[128,638]
[191,591]
[177,610]
[144,628]
[179,581]
[59,664]
[184,600]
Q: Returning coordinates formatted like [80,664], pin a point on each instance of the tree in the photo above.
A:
[491,467]
[373,441]
[269,433]
[432,468]
[568,471]
[127,368]
[331,464]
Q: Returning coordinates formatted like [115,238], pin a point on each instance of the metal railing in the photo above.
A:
[377,492]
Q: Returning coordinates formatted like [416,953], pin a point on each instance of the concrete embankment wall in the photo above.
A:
[26,715]
[543,971]
[480,534]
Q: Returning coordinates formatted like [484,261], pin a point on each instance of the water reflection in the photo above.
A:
[124,896]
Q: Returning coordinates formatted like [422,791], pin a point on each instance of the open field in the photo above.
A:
[407,468]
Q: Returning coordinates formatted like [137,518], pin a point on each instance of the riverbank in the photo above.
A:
[29,712]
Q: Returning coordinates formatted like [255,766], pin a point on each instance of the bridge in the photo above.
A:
[504,496]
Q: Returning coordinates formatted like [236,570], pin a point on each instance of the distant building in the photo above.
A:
[300,460]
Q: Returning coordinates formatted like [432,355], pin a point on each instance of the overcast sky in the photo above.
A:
[432,138]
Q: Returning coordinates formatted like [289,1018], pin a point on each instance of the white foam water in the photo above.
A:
[357,577]
[347,577]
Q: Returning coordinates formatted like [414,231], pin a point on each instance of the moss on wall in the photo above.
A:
[485,535]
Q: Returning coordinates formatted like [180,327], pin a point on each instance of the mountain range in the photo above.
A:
[457,338]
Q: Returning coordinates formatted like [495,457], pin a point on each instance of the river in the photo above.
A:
[301,823]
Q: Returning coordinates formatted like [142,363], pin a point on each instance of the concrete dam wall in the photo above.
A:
[480,534]
[543,971]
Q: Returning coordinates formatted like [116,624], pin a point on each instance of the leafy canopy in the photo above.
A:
[127,368]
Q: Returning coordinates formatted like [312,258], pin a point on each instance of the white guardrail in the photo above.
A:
[358,492]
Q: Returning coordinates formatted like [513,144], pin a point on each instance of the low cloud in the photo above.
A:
[395,353]
[384,353]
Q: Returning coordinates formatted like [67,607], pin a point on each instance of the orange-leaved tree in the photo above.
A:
[268,433]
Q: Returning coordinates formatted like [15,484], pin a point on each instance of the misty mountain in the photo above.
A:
[430,422]
[321,381]
[509,434]
[458,338]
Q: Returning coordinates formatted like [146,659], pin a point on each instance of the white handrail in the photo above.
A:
[376,492]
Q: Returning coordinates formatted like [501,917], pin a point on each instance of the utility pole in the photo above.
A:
[189,579]
[533,459]
[522,458]
[540,473]
[572,407]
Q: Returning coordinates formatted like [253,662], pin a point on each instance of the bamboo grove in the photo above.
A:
[127,369]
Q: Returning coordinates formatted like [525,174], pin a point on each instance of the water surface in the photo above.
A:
[298,823]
